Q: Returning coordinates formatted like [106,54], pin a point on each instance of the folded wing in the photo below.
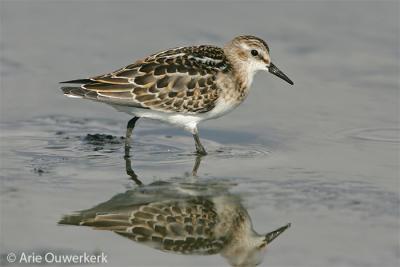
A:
[176,80]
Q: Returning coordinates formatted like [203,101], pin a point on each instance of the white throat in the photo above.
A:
[250,69]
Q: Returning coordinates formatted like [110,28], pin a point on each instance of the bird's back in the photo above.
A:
[182,226]
[182,80]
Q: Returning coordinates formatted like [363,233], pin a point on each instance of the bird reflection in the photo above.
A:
[199,218]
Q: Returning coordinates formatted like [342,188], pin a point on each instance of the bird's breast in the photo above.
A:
[222,107]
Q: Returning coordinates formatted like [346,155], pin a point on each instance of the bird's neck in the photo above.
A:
[240,247]
[242,73]
[243,78]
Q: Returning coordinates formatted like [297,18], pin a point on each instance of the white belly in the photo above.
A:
[221,108]
[187,121]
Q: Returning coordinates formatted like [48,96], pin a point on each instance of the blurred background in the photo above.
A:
[322,154]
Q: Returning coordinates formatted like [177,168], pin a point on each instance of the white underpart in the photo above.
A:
[187,121]
[253,66]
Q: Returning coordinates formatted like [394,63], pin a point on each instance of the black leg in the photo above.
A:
[199,147]
[130,172]
[196,165]
[129,129]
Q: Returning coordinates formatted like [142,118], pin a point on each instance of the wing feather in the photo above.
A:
[181,226]
[181,79]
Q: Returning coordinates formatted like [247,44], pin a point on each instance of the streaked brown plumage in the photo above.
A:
[163,217]
[176,226]
[183,85]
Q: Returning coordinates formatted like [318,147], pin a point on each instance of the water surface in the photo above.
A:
[323,154]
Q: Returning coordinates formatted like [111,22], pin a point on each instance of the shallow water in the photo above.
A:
[323,154]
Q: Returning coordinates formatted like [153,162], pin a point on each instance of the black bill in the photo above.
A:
[275,71]
[274,234]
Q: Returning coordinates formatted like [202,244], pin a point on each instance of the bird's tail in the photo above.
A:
[73,219]
[79,81]
[77,92]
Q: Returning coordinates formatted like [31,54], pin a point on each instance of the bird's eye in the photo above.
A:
[254,52]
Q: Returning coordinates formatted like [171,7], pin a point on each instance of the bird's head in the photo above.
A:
[252,54]
[250,251]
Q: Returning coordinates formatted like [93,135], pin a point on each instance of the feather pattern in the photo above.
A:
[182,79]
[185,227]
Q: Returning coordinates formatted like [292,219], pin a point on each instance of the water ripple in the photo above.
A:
[375,134]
